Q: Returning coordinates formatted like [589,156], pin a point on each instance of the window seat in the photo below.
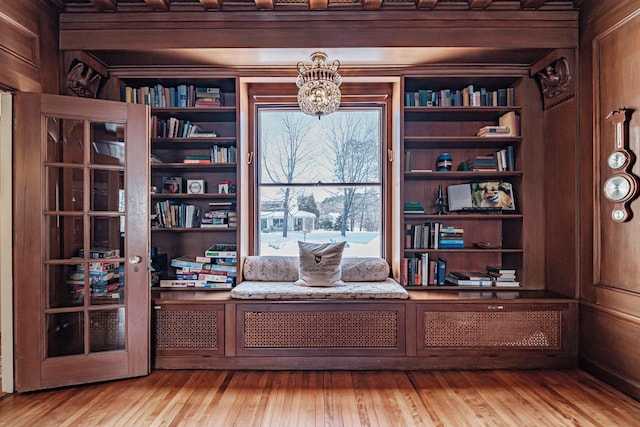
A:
[272,278]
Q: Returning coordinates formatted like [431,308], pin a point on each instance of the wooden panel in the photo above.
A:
[19,41]
[618,59]
[29,46]
[560,129]
[609,347]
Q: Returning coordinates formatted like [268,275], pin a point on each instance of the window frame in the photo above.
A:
[278,95]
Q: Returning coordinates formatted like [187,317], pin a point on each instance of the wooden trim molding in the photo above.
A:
[19,41]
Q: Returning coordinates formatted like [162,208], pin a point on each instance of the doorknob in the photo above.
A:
[136,259]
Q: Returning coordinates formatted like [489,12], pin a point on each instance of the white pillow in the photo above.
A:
[320,264]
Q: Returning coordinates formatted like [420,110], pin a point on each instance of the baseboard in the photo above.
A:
[622,384]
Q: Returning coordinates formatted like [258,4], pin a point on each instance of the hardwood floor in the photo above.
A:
[330,398]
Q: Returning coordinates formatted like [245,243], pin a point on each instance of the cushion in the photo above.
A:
[364,270]
[320,264]
[256,290]
[270,268]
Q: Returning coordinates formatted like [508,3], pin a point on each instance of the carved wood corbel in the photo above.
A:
[83,80]
[556,82]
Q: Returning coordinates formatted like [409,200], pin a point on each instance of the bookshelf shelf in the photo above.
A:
[433,132]
[193,121]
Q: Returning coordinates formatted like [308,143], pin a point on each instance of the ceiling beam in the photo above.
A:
[265,4]
[211,4]
[426,4]
[318,4]
[105,4]
[372,4]
[531,4]
[479,4]
[158,4]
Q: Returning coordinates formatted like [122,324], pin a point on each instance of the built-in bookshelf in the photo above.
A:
[193,167]
[462,180]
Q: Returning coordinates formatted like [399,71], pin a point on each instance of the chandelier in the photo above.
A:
[319,94]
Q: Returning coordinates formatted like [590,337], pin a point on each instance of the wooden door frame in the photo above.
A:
[6,240]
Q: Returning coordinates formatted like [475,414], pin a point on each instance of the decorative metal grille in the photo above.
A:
[186,329]
[530,329]
[326,329]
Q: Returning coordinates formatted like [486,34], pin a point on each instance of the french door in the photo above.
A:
[81,281]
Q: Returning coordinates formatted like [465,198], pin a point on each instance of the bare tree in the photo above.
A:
[286,153]
[354,142]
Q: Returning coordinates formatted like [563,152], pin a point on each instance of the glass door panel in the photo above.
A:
[72,311]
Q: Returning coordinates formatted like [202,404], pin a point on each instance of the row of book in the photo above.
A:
[179,96]
[105,276]
[172,214]
[433,235]
[465,97]
[217,154]
[421,270]
[173,127]
[216,269]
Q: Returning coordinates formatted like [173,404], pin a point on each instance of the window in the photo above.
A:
[319,180]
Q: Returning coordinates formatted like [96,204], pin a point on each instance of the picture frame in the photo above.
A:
[196,186]
[489,195]
[171,184]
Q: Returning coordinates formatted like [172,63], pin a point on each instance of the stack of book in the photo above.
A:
[482,163]
[220,215]
[217,269]
[469,278]
[451,238]
[503,277]
[104,276]
[208,97]
[413,208]
[494,131]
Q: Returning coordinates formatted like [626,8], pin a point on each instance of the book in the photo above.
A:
[493,194]
[459,197]
[510,121]
[468,282]
[201,284]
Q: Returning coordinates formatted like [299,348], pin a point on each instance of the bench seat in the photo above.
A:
[272,278]
[387,289]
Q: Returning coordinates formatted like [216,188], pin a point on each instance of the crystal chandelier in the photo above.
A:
[319,94]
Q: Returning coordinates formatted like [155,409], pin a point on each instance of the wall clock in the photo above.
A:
[621,187]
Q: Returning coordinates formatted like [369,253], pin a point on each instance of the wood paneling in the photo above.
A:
[609,347]
[29,46]
[609,55]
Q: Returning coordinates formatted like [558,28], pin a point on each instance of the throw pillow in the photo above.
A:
[320,264]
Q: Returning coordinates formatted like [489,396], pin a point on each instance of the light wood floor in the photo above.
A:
[330,398]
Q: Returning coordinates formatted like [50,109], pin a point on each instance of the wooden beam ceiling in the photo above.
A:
[479,4]
[426,4]
[318,4]
[531,4]
[300,5]
[158,4]
[211,4]
[265,4]
[105,4]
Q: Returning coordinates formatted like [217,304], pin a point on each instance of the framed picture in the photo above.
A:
[172,184]
[195,186]
[493,195]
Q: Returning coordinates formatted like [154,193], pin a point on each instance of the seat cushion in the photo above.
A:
[254,290]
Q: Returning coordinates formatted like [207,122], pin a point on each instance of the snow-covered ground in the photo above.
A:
[359,244]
